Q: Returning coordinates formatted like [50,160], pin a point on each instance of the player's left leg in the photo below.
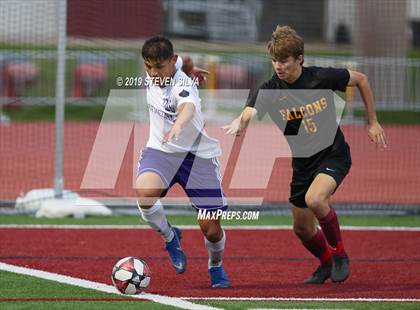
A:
[214,240]
[317,199]
[305,225]
[201,180]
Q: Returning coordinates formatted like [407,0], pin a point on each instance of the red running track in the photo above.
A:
[377,176]
[260,263]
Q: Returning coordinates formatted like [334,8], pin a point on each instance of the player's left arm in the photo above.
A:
[192,71]
[186,112]
[375,131]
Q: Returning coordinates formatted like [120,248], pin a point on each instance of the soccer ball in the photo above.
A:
[131,275]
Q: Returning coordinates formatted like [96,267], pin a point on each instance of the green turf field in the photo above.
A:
[407,221]
[81,112]
[15,286]
[21,286]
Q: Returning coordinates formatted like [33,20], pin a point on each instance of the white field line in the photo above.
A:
[180,302]
[303,299]
[166,300]
[230,227]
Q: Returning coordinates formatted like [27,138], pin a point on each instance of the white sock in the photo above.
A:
[156,218]
[215,250]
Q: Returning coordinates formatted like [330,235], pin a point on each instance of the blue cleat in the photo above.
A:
[218,277]
[177,256]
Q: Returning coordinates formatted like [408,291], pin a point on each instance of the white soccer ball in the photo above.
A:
[131,275]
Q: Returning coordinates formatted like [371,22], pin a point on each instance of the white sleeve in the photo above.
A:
[179,63]
[187,94]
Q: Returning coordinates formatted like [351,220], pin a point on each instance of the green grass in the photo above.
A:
[408,221]
[83,305]
[414,53]
[80,112]
[22,286]
[394,117]
[15,286]
[192,48]
[47,113]
[53,47]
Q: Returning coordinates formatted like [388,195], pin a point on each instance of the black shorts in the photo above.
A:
[335,162]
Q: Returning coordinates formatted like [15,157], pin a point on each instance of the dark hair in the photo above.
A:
[157,48]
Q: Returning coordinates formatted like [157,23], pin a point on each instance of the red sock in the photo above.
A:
[319,248]
[331,229]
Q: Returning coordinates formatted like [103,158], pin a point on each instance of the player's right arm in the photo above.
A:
[251,109]
[241,122]
[186,112]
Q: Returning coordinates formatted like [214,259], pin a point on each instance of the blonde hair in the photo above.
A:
[285,42]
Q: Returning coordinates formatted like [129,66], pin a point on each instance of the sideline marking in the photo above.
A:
[301,299]
[165,300]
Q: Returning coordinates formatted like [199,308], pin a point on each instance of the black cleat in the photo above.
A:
[340,268]
[322,273]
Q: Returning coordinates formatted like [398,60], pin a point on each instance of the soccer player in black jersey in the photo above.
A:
[315,177]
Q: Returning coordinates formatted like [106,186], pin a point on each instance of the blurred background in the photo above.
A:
[70,54]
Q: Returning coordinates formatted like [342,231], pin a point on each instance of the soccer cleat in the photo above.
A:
[177,256]
[218,277]
[340,268]
[322,273]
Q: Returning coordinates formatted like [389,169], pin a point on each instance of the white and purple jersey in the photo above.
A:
[163,104]
[190,161]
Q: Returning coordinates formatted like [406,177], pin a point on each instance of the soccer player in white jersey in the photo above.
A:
[179,150]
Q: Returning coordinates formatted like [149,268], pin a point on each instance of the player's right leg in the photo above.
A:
[154,170]
[214,240]
[313,239]
[149,187]
[317,199]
